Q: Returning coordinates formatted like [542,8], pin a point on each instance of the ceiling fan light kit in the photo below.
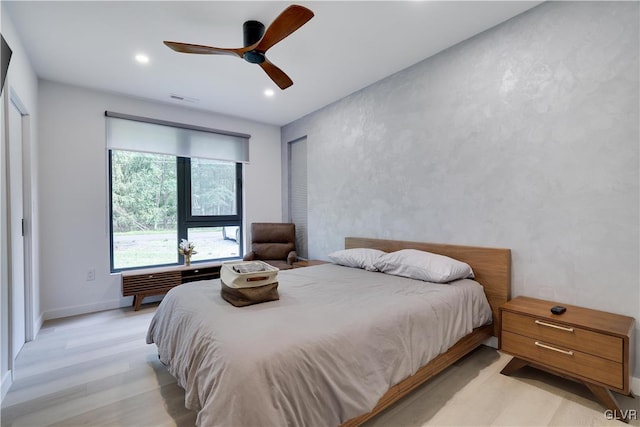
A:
[257,41]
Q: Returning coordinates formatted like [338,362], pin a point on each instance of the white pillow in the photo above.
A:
[357,257]
[423,265]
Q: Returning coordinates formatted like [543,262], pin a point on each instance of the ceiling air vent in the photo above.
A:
[184,98]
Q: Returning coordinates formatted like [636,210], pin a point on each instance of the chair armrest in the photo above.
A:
[292,257]
[251,256]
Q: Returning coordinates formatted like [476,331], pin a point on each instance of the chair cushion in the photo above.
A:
[272,240]
[268,232]
[266,251]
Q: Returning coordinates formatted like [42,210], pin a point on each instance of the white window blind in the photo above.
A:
[132,133]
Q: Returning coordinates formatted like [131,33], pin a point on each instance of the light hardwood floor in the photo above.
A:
[96,370]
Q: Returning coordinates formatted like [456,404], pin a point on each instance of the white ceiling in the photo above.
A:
[345,47]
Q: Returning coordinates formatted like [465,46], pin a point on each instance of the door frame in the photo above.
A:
[14,99]
[304,250]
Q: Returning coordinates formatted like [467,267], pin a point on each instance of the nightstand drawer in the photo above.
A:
[564,358]
[597,344]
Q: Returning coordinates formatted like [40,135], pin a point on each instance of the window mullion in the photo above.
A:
[184,200]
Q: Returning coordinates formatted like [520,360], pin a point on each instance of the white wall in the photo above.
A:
[23,83]
[525,136]
[74,184]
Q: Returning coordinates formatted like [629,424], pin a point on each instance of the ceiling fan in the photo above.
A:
[257,41]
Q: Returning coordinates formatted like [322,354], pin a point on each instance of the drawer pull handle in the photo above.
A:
[151,276]
[562,328]
[548,347]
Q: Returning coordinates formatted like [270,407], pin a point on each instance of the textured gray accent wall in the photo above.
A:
[525,136]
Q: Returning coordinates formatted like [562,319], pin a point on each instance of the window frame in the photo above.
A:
[185,219]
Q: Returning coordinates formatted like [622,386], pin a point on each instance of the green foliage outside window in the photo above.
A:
[213,189]
[144,192]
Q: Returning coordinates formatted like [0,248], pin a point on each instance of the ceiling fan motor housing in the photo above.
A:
[254,57]
[253,32]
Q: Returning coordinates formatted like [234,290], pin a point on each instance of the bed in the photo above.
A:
[340,345]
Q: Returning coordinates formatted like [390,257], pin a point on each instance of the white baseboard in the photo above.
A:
[93,308]
[6,384]
[82,309]
[491,342]
[38,325]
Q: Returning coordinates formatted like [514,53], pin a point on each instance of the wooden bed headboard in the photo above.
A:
[491,266]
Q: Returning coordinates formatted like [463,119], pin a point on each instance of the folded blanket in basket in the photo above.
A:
[249,267]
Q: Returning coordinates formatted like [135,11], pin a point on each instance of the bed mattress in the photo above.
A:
[326,352]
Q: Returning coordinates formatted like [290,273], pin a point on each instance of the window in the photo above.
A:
[158,198]
[144,209]
[213,207]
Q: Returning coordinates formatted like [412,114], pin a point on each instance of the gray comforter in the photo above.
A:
[326,352]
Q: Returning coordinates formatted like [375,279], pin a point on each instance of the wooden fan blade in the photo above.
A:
[203,50]
[286,23]
[276,74]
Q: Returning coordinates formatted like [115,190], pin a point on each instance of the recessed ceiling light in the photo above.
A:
[142,58]
[269,92]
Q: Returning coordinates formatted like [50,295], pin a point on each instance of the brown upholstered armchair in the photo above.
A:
[273,243]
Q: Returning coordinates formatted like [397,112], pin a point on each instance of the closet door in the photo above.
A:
[16,242]
[298,193]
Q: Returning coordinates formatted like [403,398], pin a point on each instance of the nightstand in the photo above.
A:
[593,347]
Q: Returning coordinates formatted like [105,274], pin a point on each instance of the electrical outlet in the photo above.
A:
[91,274]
